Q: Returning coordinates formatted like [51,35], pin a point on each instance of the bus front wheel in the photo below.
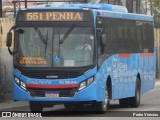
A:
[35,106]
[104,105]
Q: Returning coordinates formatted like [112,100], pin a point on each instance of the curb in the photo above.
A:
[13,104]
[157,83]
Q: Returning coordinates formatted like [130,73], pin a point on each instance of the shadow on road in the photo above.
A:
[86,111]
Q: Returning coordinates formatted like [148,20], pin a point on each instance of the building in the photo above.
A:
[133,6]
[10,7]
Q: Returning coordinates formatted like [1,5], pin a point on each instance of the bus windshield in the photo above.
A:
[54,46]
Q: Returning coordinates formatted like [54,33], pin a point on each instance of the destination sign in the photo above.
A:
[33,60]
[54,16]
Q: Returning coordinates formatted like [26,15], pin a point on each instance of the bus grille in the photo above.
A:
[61,92]
[51,74]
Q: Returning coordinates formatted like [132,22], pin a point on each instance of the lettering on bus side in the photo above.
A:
[42,82]
[67,82]
[54,16]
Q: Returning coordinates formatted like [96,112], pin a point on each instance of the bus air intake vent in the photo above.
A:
[62,92]
[51,74]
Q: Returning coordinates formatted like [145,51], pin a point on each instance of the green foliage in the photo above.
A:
[157,22]
[154,7]
[154,4]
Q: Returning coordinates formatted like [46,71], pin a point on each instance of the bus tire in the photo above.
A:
[135,101]
[76,106]
[102,106]
[124,103]
[35,106]
[69,105]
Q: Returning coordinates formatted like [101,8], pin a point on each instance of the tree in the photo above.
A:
[4,10]
[154,7]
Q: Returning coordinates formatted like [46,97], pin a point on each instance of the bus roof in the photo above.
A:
[113,11]
[121,15]
[82,6]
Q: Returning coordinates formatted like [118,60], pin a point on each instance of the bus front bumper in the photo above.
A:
[87,94]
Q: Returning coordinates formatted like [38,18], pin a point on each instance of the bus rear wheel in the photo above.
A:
[124,102]
[135,101]
[132,101]
[35,106]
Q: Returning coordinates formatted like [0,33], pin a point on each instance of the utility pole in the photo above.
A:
[146,6]
[25,3]
[129,5]
[85,1]
[0,8]
[107,1]
[138,4]
[14,7]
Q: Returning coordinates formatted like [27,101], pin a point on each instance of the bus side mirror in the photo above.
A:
[9,39]
[101,41]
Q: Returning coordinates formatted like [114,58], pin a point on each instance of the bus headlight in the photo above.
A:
[17,80]
[86,83]
[20,83]
[82,85]
[23,85]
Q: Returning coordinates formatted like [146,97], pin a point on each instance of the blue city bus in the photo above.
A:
[76,54]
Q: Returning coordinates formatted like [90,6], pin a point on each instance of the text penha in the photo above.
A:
[54,16]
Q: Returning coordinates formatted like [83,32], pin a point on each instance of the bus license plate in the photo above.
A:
[52,94]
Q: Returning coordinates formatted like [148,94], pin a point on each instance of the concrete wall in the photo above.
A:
[6,67]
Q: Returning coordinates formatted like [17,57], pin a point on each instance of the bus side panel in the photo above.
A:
[147,71]
[122,75]
[123,70]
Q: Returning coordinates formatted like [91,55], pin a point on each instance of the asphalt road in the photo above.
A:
[150,104]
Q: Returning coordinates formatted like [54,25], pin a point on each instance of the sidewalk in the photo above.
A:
[12,104]
[157,82]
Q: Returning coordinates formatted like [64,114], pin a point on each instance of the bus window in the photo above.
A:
[114,44]
[120,39]
[145,37]
[139,35]
[150,37]
[132,39]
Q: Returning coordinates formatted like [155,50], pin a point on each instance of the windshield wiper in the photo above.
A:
[67,33]
[40,35]
[46,42]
